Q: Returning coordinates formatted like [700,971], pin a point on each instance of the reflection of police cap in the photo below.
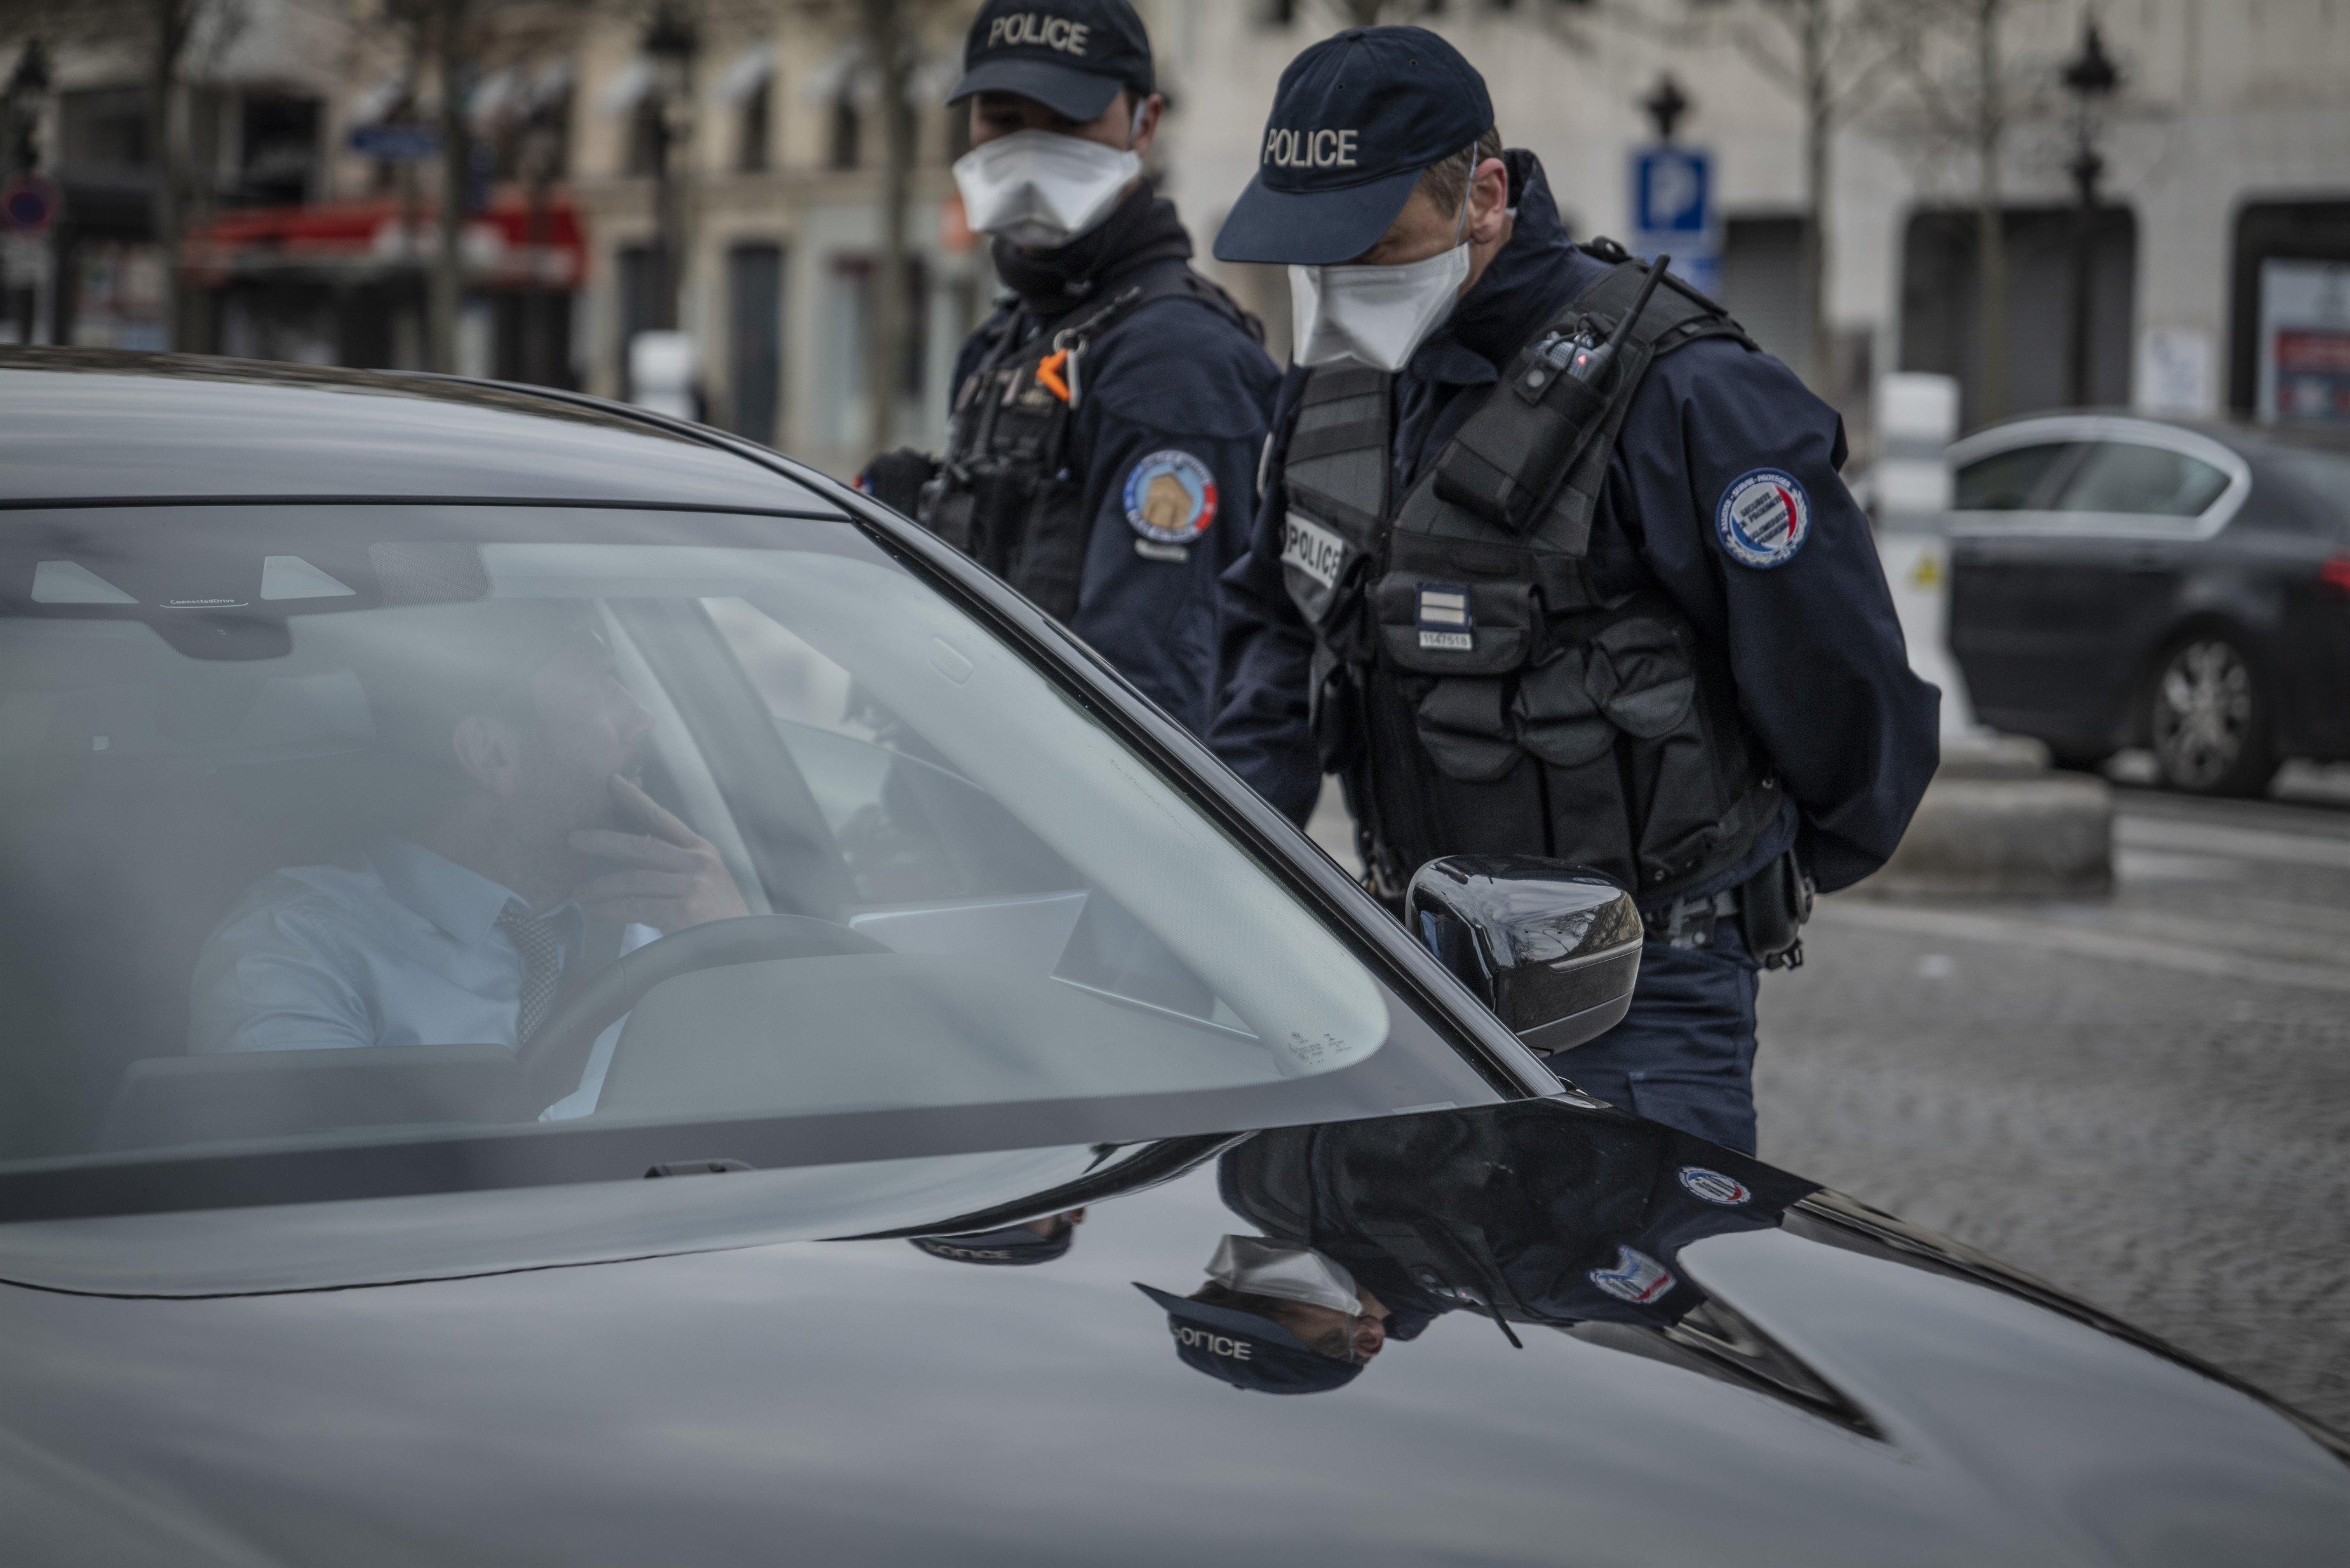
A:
[1071,55]
[1008,1249]
[1355,120]
[1248,1351]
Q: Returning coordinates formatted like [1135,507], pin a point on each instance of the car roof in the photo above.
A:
[2241,435]
[86,425]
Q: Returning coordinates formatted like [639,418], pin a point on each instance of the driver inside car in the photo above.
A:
[530,855]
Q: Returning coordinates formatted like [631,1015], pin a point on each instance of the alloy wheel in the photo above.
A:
[2203,714]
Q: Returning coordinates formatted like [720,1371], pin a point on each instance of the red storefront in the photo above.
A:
[347,283]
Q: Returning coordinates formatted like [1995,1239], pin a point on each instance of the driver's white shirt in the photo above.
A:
[400,946]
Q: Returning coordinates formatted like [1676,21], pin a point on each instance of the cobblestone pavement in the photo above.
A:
[2146,1101]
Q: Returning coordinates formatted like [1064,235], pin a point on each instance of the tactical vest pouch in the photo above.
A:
[1507,460]
[1558,721]
[1048,563]
[1433,626]
[1643,675]
[946,511]
[1464,722]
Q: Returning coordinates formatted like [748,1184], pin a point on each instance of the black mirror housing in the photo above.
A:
[1552,948]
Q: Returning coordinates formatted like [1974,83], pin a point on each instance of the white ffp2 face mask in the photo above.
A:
[1041,188]
[1266,1268]
[1375,315]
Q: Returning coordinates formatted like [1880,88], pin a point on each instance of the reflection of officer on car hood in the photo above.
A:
[1497,1212]
[1275,1318]
[1014,1246]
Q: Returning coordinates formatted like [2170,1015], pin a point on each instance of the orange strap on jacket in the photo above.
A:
[1048,373]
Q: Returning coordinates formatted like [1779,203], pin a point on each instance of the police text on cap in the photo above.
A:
[1032,28]
[1309,149]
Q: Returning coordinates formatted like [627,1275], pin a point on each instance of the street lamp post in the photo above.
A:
[1664,105]
[2091,78]
[669,43]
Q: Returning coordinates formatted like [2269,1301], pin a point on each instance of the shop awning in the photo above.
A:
[509,244]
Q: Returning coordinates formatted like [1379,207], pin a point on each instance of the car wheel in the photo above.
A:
[2209,719]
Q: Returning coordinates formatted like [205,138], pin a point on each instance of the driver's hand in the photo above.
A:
[669,877]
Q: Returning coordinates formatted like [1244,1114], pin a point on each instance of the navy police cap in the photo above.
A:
[1355,120]
[1248,1351]
[1011,1247]
[1071,55]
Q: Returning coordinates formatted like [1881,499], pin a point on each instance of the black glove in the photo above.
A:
[896,478]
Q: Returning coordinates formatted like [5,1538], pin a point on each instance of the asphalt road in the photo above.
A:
[2144,1100]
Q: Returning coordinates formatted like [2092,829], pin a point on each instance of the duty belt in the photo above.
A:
[1690,922]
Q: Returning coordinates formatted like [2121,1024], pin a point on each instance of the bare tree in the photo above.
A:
[1834,58]
[167,31]
[1966,97]
[889,46]
[892,38]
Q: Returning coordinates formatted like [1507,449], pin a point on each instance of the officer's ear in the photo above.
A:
[1489,202]
[1142,128]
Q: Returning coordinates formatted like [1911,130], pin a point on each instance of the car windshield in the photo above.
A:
[597,838]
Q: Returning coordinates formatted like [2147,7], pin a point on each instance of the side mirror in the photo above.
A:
[1553,950]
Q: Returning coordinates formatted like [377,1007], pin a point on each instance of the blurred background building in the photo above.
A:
[2051,201]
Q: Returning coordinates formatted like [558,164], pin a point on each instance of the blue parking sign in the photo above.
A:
[1672,191]
[1673,212]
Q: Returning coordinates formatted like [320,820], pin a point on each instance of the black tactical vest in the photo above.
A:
[1472,690]
[1008,495]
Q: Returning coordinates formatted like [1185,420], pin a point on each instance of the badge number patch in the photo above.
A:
[1636,1278]
[1763,518]
[1714,1187]
[1446,623]
[1170,497]
[1312,549]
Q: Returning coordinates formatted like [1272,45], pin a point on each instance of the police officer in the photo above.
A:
[1551,560]
[1277,1318]
[1108,417]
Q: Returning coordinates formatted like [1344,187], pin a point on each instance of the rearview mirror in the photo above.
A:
[1552,948]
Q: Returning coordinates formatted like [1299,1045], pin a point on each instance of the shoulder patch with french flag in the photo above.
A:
[1763,518]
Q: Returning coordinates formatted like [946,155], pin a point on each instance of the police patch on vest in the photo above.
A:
[1763,518]
[1714,1187]
[1313,550]
[1636,1278]
[1445,620]
[1170,497]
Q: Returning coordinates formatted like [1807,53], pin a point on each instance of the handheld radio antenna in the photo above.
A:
[1592,363]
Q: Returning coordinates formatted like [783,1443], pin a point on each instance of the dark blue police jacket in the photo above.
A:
[1170,386]
[1811,641]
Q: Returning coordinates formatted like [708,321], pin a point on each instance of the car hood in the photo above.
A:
[1608,1344]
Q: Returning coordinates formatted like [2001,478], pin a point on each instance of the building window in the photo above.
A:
[277,150]
[103,131]
[1942,296]
[754,338]
[843,148]
[646,134]
[754,127]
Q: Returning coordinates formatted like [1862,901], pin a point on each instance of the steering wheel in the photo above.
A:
[556,1055]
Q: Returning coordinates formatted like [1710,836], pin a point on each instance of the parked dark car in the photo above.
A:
[1060,1160]
[2120,581]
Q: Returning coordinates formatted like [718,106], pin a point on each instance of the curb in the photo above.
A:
[1995,823]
